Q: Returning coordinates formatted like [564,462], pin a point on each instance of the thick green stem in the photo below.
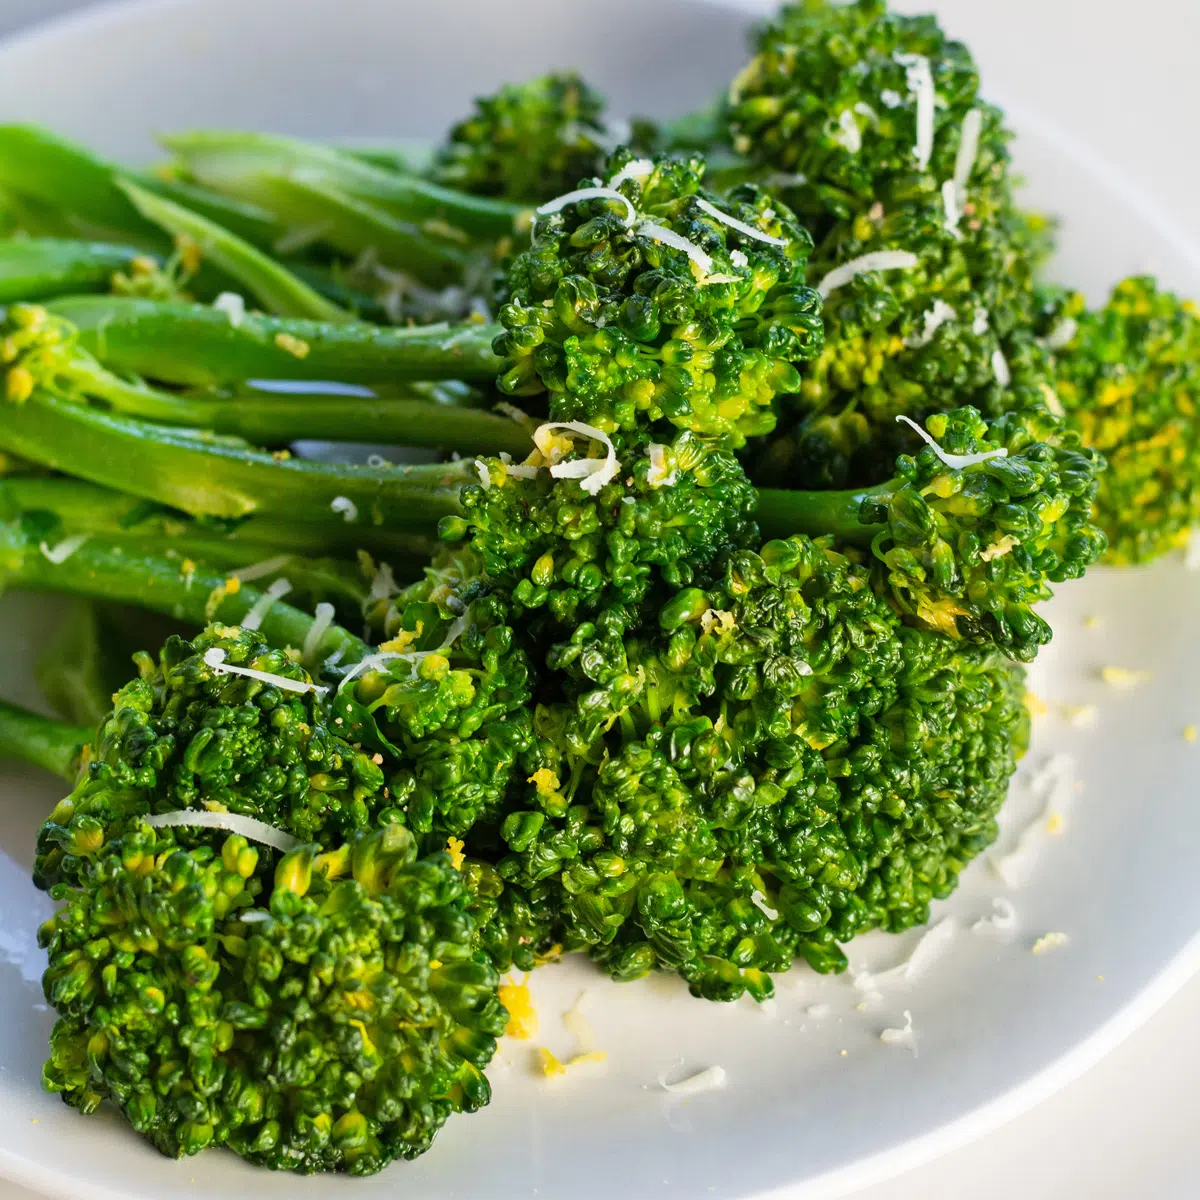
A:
[207,476]
[235,163]
[197,346]
[40,268]
[783,513]
[105,571]
[52,745]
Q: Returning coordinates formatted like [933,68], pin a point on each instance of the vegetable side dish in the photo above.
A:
[695,644]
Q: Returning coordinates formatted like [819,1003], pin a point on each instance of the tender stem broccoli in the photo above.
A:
[646,298]
[34,269]
[527,142]
[1128,378]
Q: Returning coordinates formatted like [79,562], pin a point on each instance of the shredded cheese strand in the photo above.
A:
[877,260]
[345,506]
[233,305]
[594,473]
[372,661]
[919,77]
[956,462]
[668,237]
[711,1079]
[59,553]
[254,618]
[322,619]
[934,319]
[968,149]
[1063,334]
[259,570]
[1000,368]
[741,226]
[950,196]
[588,193]
[215,658]
[252,829]
[638,169]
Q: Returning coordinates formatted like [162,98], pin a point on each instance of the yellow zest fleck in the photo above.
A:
[1036,706]
[592,1056]
[435,964]
[1055,824]
[454,847]
[1082,716]
[1050,941]
[1000,548]
[940,615]
[189,253]
[293,345]
[18,387]
[187,568]
[215,599]
[553,954]
[545,781]
[522,1016]
[1092,622]
[551,1067]
[1123,676]
[1190,733]
[233,585]
[401,642]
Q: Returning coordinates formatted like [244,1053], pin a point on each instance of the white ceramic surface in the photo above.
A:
[997,1027]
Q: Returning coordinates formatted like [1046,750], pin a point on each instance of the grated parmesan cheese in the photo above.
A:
[233,306]
[345,506]
[260,570]
[383,583]
[1063,334]
[950,202]
[322,619]
[1002,921]
[61,551]
[932,945]
[934,319]
[484,477]
[259,609]
[968,149]
[760,902]
[659,475]
[956,462]
[252,829]
[215,658]
[738,258]
[588,193]
[638,169]
[1000,368]
[905,1037]
[711,1079]
[733,223]
[979,326]
[593,473]
[877,260]
[919,77]
[891,98]
[848,136]
[668,237]
[1050,941]
[373,662]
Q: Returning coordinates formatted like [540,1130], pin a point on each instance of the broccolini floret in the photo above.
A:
[527,141]
[325,1015]
[1128,378]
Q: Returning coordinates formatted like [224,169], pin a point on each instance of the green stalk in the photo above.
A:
[236,163]
[354,226]
[783,513]
[275,288]
[209,476]
[60,506]
[196,346]
[41,741]
[39,268]
[104,571]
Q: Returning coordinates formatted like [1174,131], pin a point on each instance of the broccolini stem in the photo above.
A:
[784,513]
[197,346]
[236,163]
[85,508]
[104,571]
[209,476]
[39,268]
[41,741]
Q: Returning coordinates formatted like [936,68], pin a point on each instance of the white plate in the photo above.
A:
[812,1099]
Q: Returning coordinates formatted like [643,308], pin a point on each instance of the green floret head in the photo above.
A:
[185,735]
[781,765]
[968,550]
[328,1014]
[527,141]
[829,112]
[567,548]
[1128,378]
[649,308]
